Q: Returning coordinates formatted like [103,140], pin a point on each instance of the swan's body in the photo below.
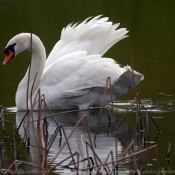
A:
[74,75]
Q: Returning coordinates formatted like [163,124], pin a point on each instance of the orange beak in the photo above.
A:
[8,57]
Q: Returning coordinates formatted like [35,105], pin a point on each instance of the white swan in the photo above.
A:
[74,75]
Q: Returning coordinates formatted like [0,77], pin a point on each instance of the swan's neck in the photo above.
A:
[38,59]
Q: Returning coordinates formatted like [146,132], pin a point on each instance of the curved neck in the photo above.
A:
[38,59]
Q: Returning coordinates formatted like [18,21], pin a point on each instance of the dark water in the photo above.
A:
[151,26]
[104,142]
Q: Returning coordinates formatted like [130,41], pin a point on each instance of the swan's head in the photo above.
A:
[16,45]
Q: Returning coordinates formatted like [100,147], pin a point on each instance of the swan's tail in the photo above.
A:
[101,33]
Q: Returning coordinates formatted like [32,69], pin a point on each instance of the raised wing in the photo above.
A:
[93,35]
[75,65]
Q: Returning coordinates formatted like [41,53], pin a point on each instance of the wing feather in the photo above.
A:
[77,57]
[96,35]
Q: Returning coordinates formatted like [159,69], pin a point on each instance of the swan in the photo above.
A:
[75,72]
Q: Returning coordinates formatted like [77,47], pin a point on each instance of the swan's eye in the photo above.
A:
[10,53]
[9,48]
[6,52]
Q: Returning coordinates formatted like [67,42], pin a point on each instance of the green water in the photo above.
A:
[151,26]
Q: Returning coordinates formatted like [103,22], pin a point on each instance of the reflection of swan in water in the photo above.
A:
[104,143]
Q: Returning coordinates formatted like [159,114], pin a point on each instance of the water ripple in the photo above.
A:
[150,105]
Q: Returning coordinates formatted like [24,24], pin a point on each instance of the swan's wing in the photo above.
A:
[127,80]
[79,73]
[76,93]
[93,35]
[79,67]
[98,30]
